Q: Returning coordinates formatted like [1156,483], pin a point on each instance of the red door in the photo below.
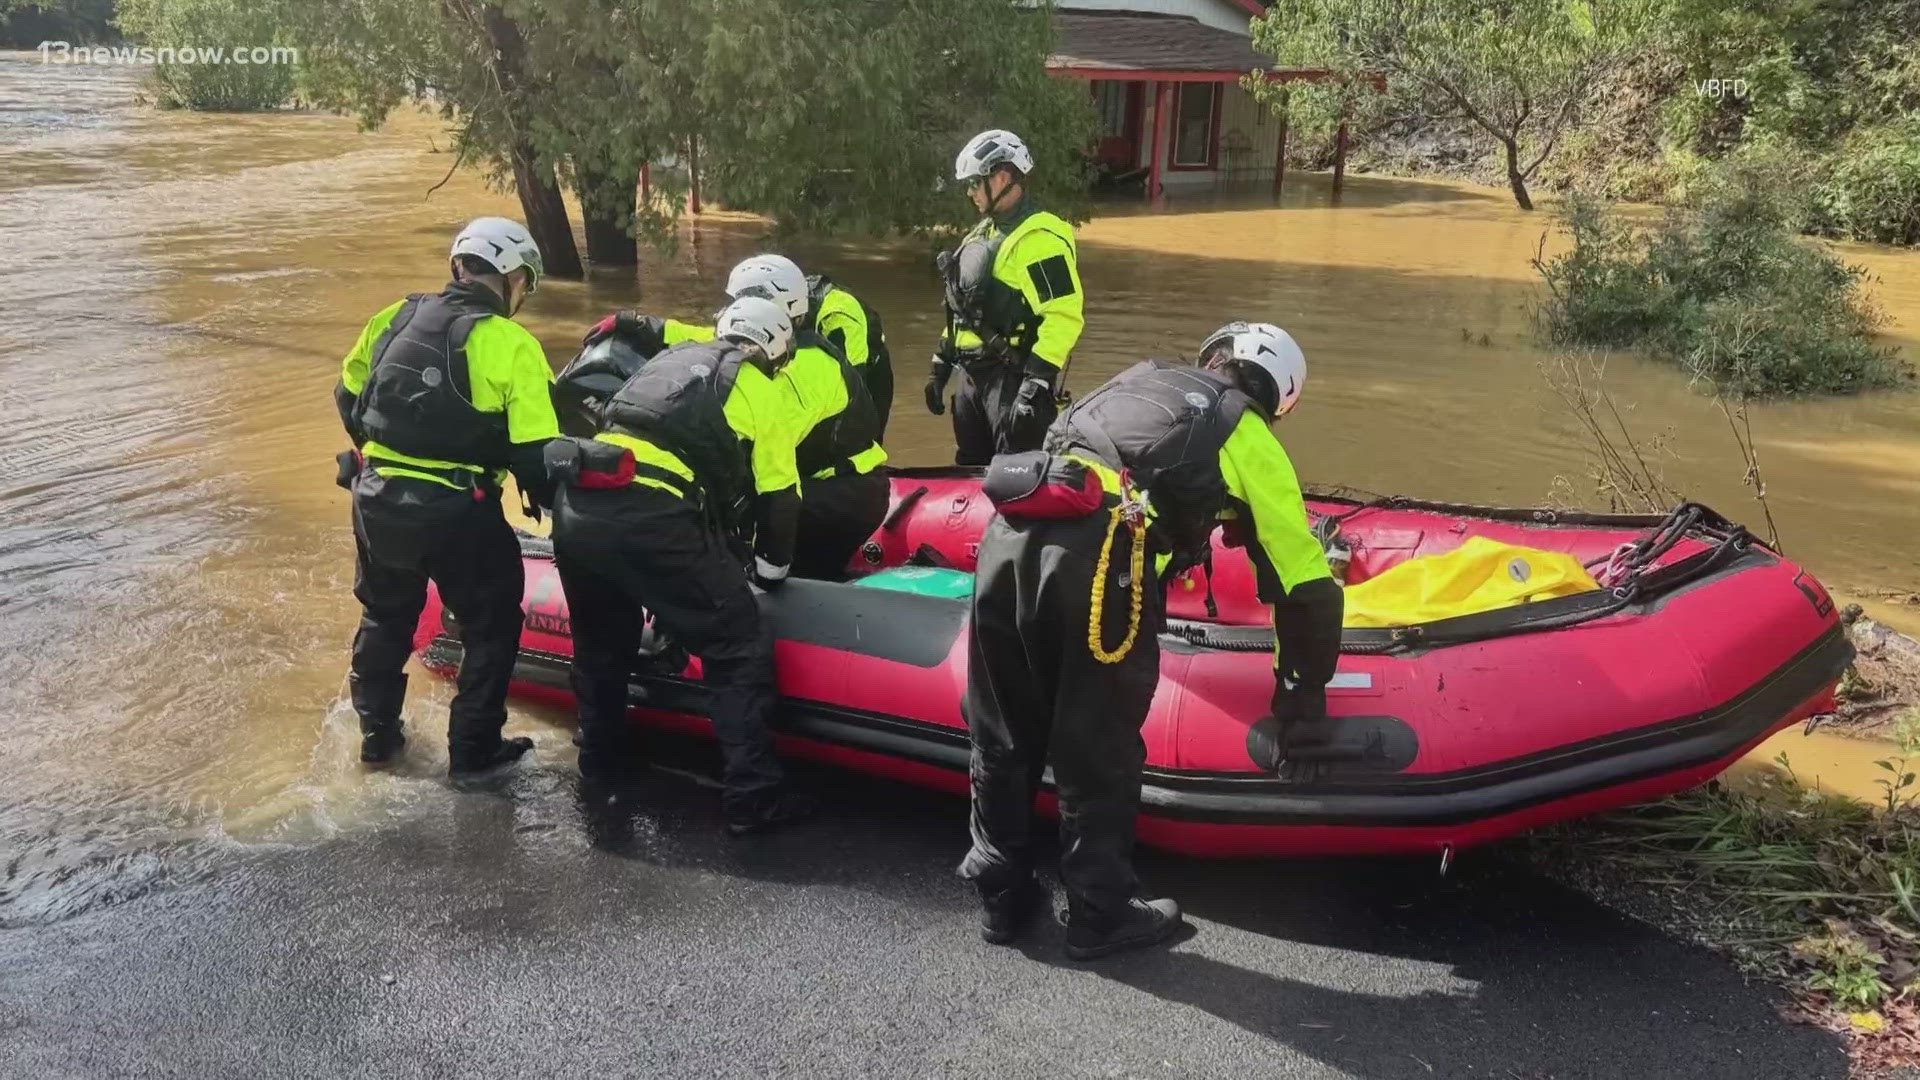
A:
[1120,107]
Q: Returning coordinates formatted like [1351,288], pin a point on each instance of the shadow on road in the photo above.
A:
[1376,967]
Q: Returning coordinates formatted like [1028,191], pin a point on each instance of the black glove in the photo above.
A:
[776,525]
[1026,402]
[1307,624]
[1032,413]
[1306,747]
[646,333]
[766,576]
[937,385]
[528,463]
[1294,705]
[347,466]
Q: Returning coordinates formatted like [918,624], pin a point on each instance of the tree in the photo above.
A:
[828,115]
[845,115]
[1517,71]
[466,58]
[624,95]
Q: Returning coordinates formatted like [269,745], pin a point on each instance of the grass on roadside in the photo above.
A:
[1817,891]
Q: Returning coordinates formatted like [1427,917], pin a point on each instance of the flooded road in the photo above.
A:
[175,563]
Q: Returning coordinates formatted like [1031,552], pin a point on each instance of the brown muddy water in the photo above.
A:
[175,561]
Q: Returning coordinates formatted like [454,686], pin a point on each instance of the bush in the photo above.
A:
[1873,187]
[210,24]
[1722,287]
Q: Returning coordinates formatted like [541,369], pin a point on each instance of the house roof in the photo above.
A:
[1098,43]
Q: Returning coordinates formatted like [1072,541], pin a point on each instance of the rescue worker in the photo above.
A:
[846,320]
[1062,655]
[643,520]
[1014,308]
[442,396]
[844,490]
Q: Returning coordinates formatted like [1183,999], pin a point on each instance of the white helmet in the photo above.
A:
[991,148]
[759,322]
[501,243]
[1269,348]
[774,277]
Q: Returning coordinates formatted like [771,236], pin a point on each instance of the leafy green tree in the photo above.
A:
[1517,71]
[839,115]
[845,115]
[467,59]
[618,91]
[1807,72]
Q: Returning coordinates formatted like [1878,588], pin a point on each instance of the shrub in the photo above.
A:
[1722,287]
[210,24]
[1873,187]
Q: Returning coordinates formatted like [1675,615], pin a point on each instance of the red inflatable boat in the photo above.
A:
[1451,733]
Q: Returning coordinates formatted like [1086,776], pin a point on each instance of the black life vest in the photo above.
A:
[977,300]
[678,402]
[594,375]
[418,399]
[1164,423]
[855,428]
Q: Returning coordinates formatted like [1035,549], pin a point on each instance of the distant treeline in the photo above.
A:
[79,22]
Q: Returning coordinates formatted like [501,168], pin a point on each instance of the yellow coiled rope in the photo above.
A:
[1132,513]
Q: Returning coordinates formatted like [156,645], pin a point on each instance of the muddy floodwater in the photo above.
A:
[175,561]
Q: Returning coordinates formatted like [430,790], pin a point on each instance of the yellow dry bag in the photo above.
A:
[1480,575]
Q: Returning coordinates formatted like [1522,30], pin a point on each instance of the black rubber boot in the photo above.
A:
[1140,924]
[467,763]
[1006,914]
[609,756]
[779,811]
[379,746]
[378,703]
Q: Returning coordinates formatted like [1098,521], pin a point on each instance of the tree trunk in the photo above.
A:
[1280,154]
[546,214]
[540,201]
[1339,159]
[1514,180]
[604,198]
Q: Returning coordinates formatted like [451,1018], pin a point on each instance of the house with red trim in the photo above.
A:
[1165,79]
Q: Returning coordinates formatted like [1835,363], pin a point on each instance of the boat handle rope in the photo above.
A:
[1133,513]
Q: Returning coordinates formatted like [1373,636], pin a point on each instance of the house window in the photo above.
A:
[1195,116]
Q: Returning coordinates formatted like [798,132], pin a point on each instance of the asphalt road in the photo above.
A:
[526,928]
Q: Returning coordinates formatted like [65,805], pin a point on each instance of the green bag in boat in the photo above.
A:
[922,581]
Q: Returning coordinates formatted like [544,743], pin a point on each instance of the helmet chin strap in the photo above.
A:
[993,198]
[1251,384]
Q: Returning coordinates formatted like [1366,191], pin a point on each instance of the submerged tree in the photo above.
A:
[845,115]
[467,59]
[831,115]
[1515,70]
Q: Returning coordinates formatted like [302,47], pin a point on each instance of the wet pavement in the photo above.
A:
[530,927]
